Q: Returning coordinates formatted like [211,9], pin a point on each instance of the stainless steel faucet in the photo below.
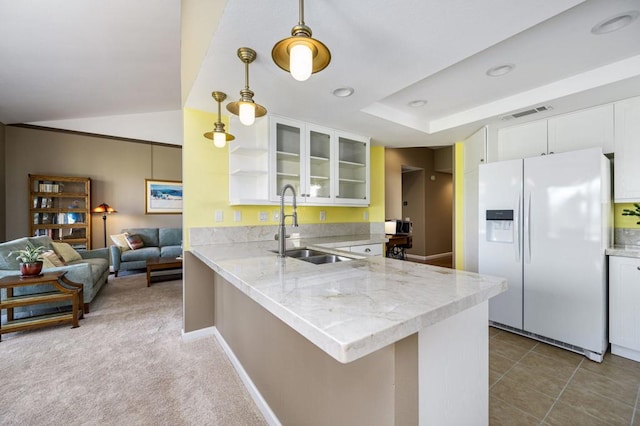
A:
[282,233]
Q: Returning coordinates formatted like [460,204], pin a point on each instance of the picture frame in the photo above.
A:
[163,196]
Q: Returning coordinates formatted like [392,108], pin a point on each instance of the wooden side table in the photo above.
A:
[65,289]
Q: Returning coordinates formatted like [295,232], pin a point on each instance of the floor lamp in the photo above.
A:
[105,209]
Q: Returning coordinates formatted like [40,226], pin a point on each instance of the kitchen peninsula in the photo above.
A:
[367,341]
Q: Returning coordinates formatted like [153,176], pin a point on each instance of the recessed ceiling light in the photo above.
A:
[417,103]
[343,92]
[615,23]
[499,70]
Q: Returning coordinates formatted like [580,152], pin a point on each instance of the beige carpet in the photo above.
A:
[125,365]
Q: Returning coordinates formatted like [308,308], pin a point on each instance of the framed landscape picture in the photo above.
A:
[163,196]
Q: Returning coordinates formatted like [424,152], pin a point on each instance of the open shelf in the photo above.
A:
[252,152]
[242,172]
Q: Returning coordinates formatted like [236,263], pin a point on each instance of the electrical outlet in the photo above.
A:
[276,216]
[219,216]
[323,215]
[365,215]
[263,216]
[237,216]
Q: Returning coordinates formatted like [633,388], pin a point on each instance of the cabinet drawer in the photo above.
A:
[368,249]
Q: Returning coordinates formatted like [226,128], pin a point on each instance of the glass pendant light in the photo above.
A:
[301,62]
[300,54]
[246,108]
[219,136]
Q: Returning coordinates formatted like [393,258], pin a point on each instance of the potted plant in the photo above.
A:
[629,212]
[30,260]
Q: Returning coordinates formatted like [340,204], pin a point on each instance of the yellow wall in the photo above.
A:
[625,221]
[458,188]
[206,184]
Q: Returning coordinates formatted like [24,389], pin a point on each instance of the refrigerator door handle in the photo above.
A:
[516,228]
[527,228]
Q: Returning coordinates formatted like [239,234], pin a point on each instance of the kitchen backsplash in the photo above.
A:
[234,234]
[627,236]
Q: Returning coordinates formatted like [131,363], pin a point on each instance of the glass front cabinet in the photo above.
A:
[352,169]
[287,163]
[326,167]
[59,207]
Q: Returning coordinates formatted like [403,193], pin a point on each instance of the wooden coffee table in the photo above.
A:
[161,264]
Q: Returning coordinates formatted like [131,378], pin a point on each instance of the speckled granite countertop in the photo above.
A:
[353,308]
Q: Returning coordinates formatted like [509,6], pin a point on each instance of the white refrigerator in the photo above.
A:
[544,224]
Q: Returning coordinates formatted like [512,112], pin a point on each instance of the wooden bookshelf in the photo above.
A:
[59,207]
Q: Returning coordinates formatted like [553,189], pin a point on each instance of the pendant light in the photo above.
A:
[246,108]
[301,54]
[219,136]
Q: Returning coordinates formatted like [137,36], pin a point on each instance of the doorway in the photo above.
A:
[419,187]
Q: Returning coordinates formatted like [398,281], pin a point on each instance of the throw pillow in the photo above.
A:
[46,263]
[66,252]
[51,260]
[121,241]
[135,242]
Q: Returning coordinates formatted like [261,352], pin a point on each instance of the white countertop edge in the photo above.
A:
[351,351]
[624,251]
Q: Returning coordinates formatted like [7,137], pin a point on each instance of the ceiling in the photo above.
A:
[65,61]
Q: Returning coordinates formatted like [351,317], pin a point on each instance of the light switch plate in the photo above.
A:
[323,215]
[276,216]
[237,216]
[219,216]
[365,215]
[263,216]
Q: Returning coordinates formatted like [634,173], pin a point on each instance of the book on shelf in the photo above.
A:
[48,187]
[42,203]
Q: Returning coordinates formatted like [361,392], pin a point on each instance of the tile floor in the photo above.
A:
[532,383]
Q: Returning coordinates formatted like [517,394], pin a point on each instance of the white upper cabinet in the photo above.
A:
[627,151]
[288,165]
[588,128]
[325,166]
[475,150]
[319,181]
[583,129]
[522,141]
[352,169]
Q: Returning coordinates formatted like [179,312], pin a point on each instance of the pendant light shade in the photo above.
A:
[246,108]
[219,136]
[300,54]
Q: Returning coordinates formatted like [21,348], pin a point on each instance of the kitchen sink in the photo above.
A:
[299,253]
[314,256]
[325,258]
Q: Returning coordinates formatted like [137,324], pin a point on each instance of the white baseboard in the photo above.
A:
[430,257]
[264,408]
[198,334]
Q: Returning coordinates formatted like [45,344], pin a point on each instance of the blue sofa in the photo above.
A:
[158,242]
[92,272]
